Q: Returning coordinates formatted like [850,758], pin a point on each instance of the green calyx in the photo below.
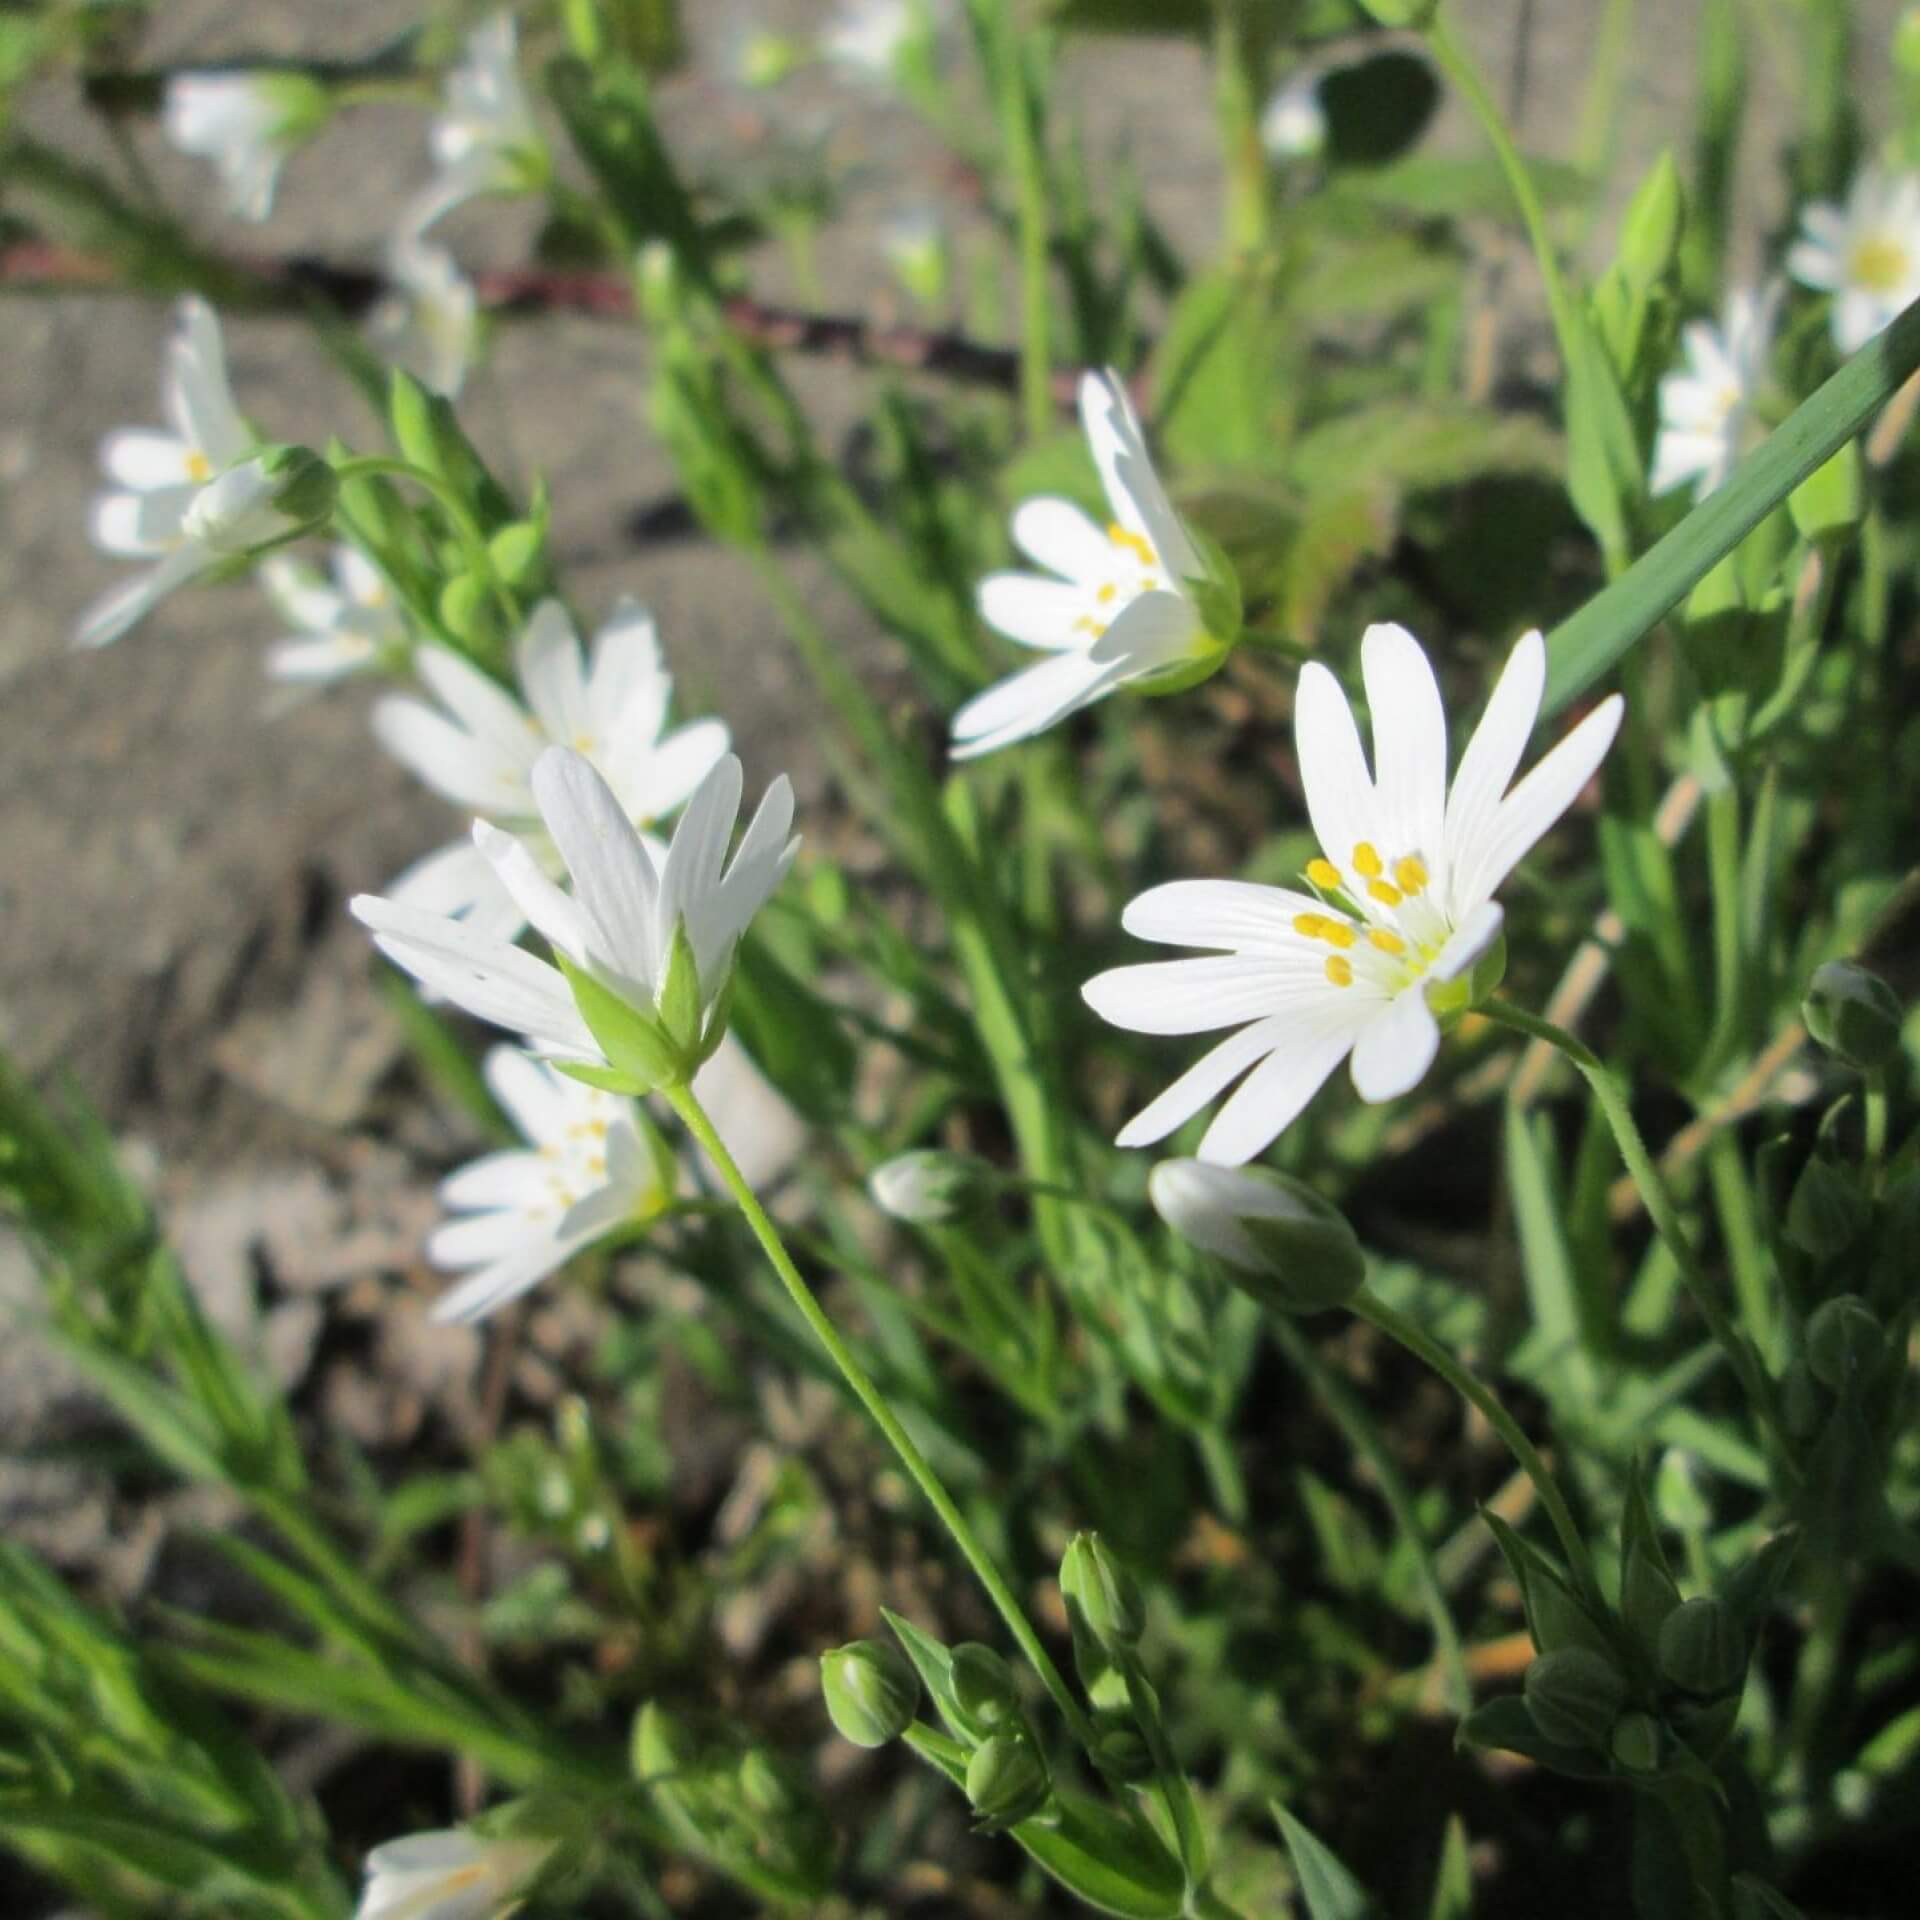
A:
[647,1048]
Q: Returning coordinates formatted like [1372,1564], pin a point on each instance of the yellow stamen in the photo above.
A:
[199,467]
[1879,264]
[1385,941]
[1411,874]
[1088,624]
[1366,862]
[1309,925]
[1324,875]
[1336,933]
[1388,896]
[1339,970]
[1148,582]
[1135,544]
[1106,594]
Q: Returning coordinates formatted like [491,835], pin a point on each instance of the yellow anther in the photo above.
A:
[1149,581]
[1411,874]
[1106,594]
[1879,264]
[1385,941]
[1088,624]
[1366,862]
[1339,970]
[1388,896]
[1309,925]
[1324,875]
[1136,544]
[1336,933]
[199,467]
[597,1163]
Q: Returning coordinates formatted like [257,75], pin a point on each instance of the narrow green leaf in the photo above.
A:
[1330,1891]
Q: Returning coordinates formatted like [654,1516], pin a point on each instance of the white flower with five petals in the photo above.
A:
[478,747]
[1402,900]
[1120,606]
[1704,410]
[1866,254]
[342,626]
[620,927]
[452,1875]
[246,124]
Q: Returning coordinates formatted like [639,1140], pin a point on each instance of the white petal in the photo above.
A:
[1815,263]
[1037,612]
[499,1181]
[613,876]
[299,595]
[1240,916]
[1857,317]
[1215,1069]
[481,704]
[137,526]
[1490,761]
[144,459]
[1395,1047]
[627,667]
[553,676]
[1333,770]
[1152,631]
[108,617]
[318,661]
[1409,744]
[1139,502]
[1027,703]
[198,399]
[1680,457]
[1467,943]
[454,880]
[654,781]
[486,1292]
[552,912]
[469,771]
[1184,996]
[1058,536]
[1310,1044]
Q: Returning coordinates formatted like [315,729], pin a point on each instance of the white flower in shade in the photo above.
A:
[246,124]
[867,37]
[620,927]
[1704,410]
[1866,254]
[585,1170]
[185,496]
[1292,1247]
[454,1875]
[484,139]
[343,626]
[1120,606]
[429,322]
[1402,900]
[1293,123]
[478,747]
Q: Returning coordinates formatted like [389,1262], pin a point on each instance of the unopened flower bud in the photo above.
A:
[767,1786]
[1102,1594]
[871,1690]
[927,1187]
[1575,1695]
[305,486]
[1650,228]
[1006,1781]
[1287,1246]
[238,511]
[1635,1742]
[1120,1750]
[1701,1647]
[1828,1211]
[983,1687]
[1852,1013]
[1844,1339]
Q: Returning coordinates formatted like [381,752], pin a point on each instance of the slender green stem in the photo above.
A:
[1657,1199]
[1236,97]
[1421,1344]
[1020,127]
[694,1117]
[1175,1793]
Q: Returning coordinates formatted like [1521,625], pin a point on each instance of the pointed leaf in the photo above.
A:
[1330,1891]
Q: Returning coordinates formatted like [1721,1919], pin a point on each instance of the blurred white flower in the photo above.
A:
[1402,900]
[1293,123]
[453,1875]
[1121,606]
[867,37]
[620,926]
[344,626]
[1704,410]
[429,321]
[1866,254]
[484,140]
[478,747]
[246,124]
[585,1170]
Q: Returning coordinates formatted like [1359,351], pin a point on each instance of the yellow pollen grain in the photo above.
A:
[1339,970]
[583,743]
[1410,874]
[1336,933]
[1324,875]
[199,467]
[1135,544]
[1088,624]
[1149,581]
[1106,594]
[1387,895]
[1366,862]
[1385,941]
[1309,925]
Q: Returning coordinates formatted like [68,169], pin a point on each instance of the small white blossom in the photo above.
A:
[246,124]
[1704,410]
[620,925]
[429,321]
[344,626]
[867,37]
[1866,254]
[484,140]
[186,496]
[1209,1207]
[1293,123]
[1402,900]
[1118,607]
[453,1875]
[585,1170]
[478,747]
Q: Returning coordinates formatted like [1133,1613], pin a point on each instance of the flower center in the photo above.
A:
[1385,929]
[199,467]
[1136,557]
[1879,264]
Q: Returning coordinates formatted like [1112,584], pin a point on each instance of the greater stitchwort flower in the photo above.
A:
[484,140]
[480,745]
[646,942]
[1866,254]
[867,37]
[1705,409]
[344,626]
[246,124]
[1401,905]
[451,1875]
[1126,605]
[429,322]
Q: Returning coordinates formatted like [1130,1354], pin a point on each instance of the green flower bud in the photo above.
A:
[1575,1696]
[929,1186]
[1701,1648]
[1287,1247]
[1119,1749]
[1635,1742]
[1828,1211]
[1650,229]
[1647,1596]
[1006,1781]
[1844,1340]
[305,485]
[871,1690]
[1852,1013]
[767,1785]
[1101,1594]
[983,1688]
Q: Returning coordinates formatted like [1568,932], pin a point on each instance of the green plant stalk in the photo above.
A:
[1658,1201]
[464,524]
[1236,100]
[1582,648]
[1020,128]
[693,1116]
[1418,1342]
[1169,1778]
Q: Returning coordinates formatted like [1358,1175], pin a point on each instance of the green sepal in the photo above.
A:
[1505,1726]
[1555,1617]
[1216,591]
[680,993]
[633,1041]
[607,1079]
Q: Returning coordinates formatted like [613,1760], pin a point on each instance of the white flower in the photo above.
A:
[1120,609]
[345,626]
[481,750]
[927,1186]
[429,323]
[586,1169]
[620,925]
[1293,123]
[1704,410]
[1867,254]
[185,496]
[246,124]
[1402,900]
[484,140]
[867,36]
[454,1875]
